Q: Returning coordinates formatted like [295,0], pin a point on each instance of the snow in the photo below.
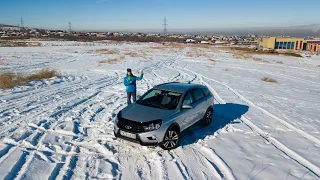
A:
[62,127]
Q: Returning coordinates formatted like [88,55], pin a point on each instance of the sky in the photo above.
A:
[149,14]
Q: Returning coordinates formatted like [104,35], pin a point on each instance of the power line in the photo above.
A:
[165,26]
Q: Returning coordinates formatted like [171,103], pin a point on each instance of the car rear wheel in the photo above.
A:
[207,119]
[171,139]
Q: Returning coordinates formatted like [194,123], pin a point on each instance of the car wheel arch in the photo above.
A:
[210,108]
[174,126]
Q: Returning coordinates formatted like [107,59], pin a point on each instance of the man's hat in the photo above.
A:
[128,70]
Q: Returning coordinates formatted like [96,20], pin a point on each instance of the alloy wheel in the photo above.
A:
[209,117]
[171,139]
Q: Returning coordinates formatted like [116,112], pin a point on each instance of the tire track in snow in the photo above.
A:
[134,160]
[283,122]
[40,138]
[23,168]
[289,77]
[99,144]
[66,109]
[64,171]
[264,63]
[196,166]
[177,166]
[16,168]
[221,168]
[212,157]
[67,170]
[6,152]
[299,159]
[48,107]
[55,90]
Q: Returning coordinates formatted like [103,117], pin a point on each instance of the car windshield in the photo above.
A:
[160,99]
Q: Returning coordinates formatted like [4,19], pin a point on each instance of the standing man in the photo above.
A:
[130,83]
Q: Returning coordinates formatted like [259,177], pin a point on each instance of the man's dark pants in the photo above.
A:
[129,94]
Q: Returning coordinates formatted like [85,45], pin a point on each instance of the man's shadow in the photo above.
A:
[223,114]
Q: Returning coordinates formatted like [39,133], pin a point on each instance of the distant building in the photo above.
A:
[204,42]
[190,41]
[290,43]
[313,45]
[283,43]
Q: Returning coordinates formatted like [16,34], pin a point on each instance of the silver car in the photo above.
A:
[162,113]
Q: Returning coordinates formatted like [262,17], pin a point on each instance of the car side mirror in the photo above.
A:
[187,107]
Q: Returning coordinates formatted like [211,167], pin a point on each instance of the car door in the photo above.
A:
[199,104]
[187,115]
[208,97]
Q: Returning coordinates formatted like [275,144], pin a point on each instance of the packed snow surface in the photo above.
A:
[62,128]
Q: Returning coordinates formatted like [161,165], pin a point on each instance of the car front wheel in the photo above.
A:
[171,139]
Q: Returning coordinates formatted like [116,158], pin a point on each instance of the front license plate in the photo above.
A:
[128,135]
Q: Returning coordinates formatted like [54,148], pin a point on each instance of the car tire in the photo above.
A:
[207,119]
[115,135]
[171,139]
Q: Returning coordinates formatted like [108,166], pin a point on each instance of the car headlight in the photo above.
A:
[154,125]
[118,116]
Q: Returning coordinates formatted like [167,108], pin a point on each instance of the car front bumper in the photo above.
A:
[151,138]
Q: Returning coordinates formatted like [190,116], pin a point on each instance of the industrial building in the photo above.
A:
[290,43]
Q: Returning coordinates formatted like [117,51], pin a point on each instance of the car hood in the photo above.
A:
[140,113]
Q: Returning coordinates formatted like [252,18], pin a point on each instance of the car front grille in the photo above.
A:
[130,126]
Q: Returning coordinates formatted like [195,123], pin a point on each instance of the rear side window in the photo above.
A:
[188,99]
[206,91]
[197,95]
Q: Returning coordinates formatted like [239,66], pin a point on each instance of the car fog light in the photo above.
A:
[152,138]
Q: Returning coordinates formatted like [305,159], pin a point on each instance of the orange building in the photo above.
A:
[313,45]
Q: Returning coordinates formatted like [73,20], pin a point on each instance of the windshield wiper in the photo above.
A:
[154,105]
[163,107]
[160,106]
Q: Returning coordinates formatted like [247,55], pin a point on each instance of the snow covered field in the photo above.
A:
[61,128]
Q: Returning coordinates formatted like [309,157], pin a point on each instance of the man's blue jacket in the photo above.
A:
[130,82]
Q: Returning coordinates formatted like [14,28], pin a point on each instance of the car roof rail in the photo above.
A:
[166,83]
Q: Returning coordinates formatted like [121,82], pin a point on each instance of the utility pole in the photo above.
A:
[22,24]
[165,26]
[70,27]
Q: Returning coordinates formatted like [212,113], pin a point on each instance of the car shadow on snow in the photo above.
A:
[223,115]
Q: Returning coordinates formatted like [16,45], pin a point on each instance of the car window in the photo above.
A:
[206,91]
[197,94]
[188,99]
[152,93]
[160,99]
